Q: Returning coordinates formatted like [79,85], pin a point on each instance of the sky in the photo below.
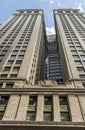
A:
[8,7]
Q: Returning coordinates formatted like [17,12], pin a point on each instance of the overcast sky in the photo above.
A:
[8,7]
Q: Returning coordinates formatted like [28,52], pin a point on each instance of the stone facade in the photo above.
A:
[40,94]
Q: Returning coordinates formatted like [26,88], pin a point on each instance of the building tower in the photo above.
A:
[70,27]
[42,83]
[21,47]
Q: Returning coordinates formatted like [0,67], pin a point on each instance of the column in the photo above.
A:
[11,109]
[21,114]
[82,104]
[76,114]
[56,108]
[40,106]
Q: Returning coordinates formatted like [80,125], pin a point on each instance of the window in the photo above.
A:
[1,84]
[27,40]
[75,56]
[3,104]
[24,47]
[82,56]
[10,62]
[80,69]
[13,56]
[13,75]
[12,40]
[22,52]
[1,56]
[4,51]
[7,69]
[72,47]
[78,62]
[64,109]
[82,76]
[15,69]
[9,85]
[21,39]
[26,43]
[47,115]
[3,43]
[3,75]
[31,110]
[20,56]
[7,47]
[15,51]
[19,43]
[31,116]
[9,43]
[83,62]
[18,62]
[17,47]
[83,84]
[81,51]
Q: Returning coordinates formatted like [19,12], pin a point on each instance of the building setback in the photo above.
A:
[42,78]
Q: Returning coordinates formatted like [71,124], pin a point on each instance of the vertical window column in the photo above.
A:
[3,104]
[31,110]
[64,112]
[47,116]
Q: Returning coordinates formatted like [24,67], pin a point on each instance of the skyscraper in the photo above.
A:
[70,27]
[42,78]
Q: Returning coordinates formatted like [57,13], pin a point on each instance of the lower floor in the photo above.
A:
[16,125]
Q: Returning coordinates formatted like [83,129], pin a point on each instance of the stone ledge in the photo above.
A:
[42,123]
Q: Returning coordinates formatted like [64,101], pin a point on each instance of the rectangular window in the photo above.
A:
[9,85]
[47,115]
[72,47]
[15,69]
[10,62]
[3,75]
[1,84]
[15,51]
[17,47]
[82,56]
[4,51]
[78,62]
[75,56]
[25,43]
[24,47]
[83,84]
[13,75]
[19,43]
[22,52]
[1,56]
[13,56]
[10,43]
[82,76]
[31,110]
[3,104]
[3,44]
[18,62]
[20,56]
[64,112]
[74,52]
[7,69]
[80,69]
